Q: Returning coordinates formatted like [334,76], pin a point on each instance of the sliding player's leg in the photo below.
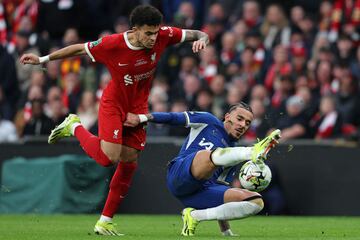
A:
[232,156]
[218,202]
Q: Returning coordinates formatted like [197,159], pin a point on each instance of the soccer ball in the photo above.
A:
[255,177]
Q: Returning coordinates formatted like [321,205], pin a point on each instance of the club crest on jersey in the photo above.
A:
[116,132]
[95,43]
[153,57]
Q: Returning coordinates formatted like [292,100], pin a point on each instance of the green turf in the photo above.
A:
[168,227]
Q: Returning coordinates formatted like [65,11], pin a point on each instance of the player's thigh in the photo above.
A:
[111,150]
[238,195]
[202,167]
[134,137]
[110,131]
[129,154]
[179,178]
[110,123]
[210,195]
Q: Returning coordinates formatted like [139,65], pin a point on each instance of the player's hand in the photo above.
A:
[198,45]
[30,58]
[132,120]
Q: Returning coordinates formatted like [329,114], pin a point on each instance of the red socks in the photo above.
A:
[119,187]
[91,145]
[123,175]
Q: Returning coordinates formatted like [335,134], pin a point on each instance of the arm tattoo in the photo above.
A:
[194,35]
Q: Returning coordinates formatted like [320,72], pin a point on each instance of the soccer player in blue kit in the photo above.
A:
[201,174]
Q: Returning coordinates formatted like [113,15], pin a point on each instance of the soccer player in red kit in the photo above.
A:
[131,57]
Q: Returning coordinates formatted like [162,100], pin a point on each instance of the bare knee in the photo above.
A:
[239,195]
[112,151]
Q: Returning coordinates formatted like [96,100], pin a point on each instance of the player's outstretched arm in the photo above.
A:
[172,118]
[70,51]
[201,39]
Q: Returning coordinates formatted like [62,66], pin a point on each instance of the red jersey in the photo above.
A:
[132,68]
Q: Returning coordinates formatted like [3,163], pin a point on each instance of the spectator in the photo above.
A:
[275,28]
[217,86]
[185,16]
[347,100]
[208,67]
[24,71]
[240,29]
[7,131]
[297,14]
[39,124]
[325,16]
[204,100]
[87,109]
[250,70]
[252,15]
[327,123]
[345,17]
[280,67]
[259,126]
[54,107]
[192,85]
[9,92]
[293,123]
[324,77]
[344,49]
[261,93]
[72,91]
[52,74]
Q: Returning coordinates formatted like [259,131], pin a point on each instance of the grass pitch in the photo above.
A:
[168,227]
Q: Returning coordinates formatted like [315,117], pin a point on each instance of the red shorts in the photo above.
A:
[111,129]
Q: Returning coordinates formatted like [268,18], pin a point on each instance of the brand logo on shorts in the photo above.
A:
[142,144]
[116,132]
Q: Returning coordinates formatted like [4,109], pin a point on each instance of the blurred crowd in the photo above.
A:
[296,65]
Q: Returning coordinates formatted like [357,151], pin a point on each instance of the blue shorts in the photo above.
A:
[190,191]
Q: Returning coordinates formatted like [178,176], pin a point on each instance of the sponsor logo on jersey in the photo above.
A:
[128,80]
[116,132]
[123,64]
[95,43]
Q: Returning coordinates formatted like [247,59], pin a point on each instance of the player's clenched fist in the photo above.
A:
[29,58]
[132,120]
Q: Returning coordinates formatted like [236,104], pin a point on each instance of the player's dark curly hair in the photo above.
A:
[145,15]
[240,105]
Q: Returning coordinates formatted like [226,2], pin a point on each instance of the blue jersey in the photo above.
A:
[207,132]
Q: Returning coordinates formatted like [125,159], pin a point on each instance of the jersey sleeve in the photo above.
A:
[100,49]
[198,119]
[174,35]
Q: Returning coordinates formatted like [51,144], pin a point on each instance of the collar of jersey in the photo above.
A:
[129,44]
